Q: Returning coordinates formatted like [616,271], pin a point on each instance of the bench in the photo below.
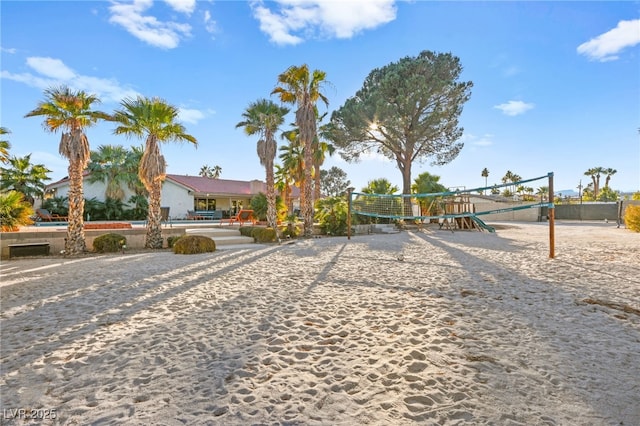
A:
[204,214]
[29,249]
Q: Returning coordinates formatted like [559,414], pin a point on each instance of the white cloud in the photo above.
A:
[8,50]
[339,19]
[190,115]
[484,140]
[50,67]
[51,72]
[605,47]
[147,28]
[209,24]
[184,6]
[513,108]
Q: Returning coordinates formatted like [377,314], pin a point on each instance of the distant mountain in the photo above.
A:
[567,193]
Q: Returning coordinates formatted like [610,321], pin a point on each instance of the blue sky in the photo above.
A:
[556,84]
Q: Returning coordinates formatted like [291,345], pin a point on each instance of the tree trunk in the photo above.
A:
[75,242]
[307,120]
[271,197]
[153,238]
[406,188]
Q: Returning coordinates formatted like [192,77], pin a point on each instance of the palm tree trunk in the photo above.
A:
[307,121]
[153,238]
[75,242]
[271,198]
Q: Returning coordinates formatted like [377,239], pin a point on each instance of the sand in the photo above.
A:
[468,328]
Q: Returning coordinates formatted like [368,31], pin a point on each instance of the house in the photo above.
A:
[182,193]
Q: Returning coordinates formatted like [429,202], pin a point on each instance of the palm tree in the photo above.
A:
[155,119]
[24,177]
[210,172]
[485,175]
[609,172]
[543,191]
[303,88]
[131,167]
[264,117]
[426,183]
[5,146]
[206,171]
[595,173]
[380,186]
[108,164]
[293,163]
[71,111]
[283,182]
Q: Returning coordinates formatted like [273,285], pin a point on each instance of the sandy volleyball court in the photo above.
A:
[469,328]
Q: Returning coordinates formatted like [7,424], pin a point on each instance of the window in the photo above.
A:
[204,204]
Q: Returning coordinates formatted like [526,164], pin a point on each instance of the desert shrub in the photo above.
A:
[264,235]
[193,244]
[108,243]
[172,240]
[632,218]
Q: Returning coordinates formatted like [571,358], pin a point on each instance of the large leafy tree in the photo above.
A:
[264,118]
[72,112]
[407,111]
[24,177]
[334,181]
[155,120]
[303,88]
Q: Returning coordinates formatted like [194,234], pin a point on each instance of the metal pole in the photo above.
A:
[552,213]
[349,191]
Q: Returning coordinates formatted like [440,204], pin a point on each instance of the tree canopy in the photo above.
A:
[407,111]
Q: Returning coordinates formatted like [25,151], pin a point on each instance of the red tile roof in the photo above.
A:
[217,186]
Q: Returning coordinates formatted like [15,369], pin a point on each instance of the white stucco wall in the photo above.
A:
[177,199]
[91,190]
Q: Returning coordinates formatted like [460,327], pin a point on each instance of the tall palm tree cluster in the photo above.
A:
[595,173]
[305,152]
[72,112]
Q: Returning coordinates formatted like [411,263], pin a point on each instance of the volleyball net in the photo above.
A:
[437,205]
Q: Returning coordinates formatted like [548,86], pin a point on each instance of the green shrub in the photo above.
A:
[247,231]
[15,211]
[259,206]
[109,243]
[292,229]
[172,240]
[331,214]
[193,244]
[264,235]
[632,218]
